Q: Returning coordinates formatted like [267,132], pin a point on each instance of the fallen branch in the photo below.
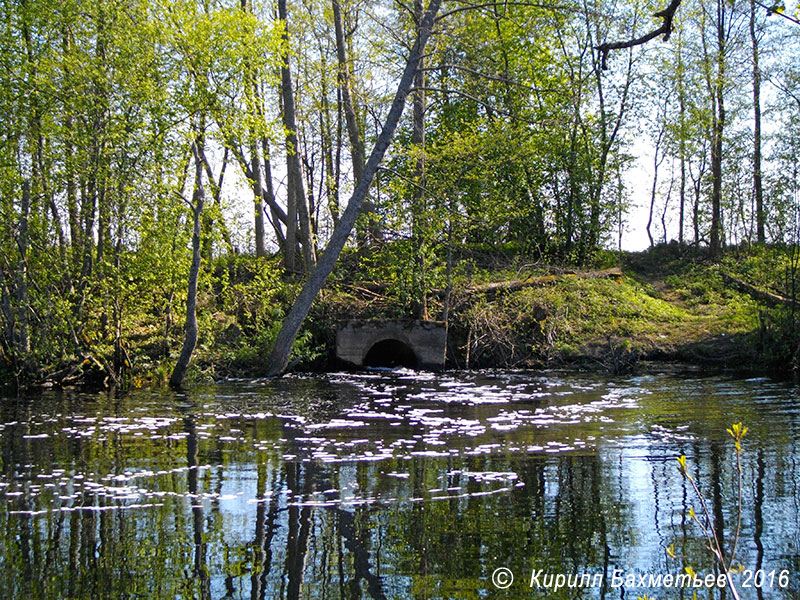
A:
[762,295]
[510,286]
[76,372]
[369,289]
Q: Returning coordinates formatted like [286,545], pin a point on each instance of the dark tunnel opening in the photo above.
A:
[391,353]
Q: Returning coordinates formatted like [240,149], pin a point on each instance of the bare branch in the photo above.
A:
[666,30]
[410,182]
[406,7]
[774,11]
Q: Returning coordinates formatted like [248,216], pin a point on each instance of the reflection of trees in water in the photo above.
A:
[299,526]
[318,530]
[765,490]
[443,547]
[266,527]
[347,526]
[758,517]
[571,516]
[448,547]
[200,566]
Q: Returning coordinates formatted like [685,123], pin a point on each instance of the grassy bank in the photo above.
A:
[682,313]
[669,304]
[672,304]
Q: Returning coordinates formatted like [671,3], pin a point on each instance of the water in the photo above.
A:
[398,485]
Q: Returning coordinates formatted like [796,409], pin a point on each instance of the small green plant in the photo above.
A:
[704,521]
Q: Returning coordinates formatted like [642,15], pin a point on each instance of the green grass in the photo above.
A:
[664,307]
[671,304]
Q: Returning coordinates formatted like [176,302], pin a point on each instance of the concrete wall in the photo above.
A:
[427,339]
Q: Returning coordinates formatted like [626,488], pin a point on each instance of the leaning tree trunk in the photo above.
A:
[279,359]
[190,340]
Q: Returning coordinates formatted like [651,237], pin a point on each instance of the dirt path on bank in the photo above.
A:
[716,325]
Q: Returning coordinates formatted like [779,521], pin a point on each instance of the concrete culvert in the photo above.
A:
[399,342]
[391,353]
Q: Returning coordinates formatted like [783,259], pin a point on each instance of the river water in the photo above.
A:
[401,485]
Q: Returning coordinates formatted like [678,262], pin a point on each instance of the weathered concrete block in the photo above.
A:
[391,342]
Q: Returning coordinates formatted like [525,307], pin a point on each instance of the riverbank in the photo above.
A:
[670,304]
[667,305]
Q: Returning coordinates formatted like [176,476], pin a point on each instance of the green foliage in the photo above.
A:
[772,330]
[102,98]
[249,289]
[666,307]
[250,301]
[701,286]
[779,334]
[517,157]
[566,320]
[527,142]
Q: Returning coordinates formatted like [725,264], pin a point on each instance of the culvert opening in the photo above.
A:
[391,353]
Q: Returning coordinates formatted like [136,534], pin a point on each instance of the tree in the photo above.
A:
[758,188]
[191,332]
[715,80]
[658,158]
[252,100]
[348,101]
[297,207]
[279,359]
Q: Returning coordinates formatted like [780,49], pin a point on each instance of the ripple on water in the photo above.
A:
[373,419]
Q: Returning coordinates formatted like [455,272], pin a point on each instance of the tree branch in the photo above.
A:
[775,11]
[666,29]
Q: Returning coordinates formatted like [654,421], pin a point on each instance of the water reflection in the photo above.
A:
[391,486]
